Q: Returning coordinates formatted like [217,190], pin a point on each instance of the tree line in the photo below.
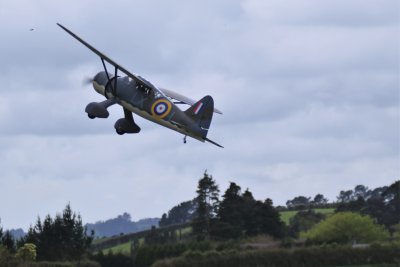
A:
[62,238]
[237,214]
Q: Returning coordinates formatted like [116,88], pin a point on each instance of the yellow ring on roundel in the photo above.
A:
[161,108]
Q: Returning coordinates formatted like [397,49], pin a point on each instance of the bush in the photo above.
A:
[15,263]
[146,255]
[347,228]
[306,257]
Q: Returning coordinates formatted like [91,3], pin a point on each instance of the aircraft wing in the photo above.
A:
[135,77]
[182,98]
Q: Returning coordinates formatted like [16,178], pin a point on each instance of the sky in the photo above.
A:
[309,90]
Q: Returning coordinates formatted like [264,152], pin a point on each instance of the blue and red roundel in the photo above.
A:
[161,108]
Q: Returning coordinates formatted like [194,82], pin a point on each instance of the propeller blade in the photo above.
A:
[87,80]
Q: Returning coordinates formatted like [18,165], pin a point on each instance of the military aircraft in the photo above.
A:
[137,95]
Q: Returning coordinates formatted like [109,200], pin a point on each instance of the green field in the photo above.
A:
[286,215]
[124,248]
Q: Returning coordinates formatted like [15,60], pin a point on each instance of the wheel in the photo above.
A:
[91,116]
[119,132]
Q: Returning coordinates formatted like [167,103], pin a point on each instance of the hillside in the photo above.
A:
[122,224]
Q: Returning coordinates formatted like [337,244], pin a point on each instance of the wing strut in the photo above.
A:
[114,87]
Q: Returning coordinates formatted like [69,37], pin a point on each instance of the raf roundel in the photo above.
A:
[161,108]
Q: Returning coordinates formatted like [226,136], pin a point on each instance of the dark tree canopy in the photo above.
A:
[61,238]
[207,205]
[240,214]
[181,213]
[8,241]
[298,202]
[319,199]
[303,221]
[382,203]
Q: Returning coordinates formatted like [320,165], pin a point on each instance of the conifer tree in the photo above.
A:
[208,201]
[61,238]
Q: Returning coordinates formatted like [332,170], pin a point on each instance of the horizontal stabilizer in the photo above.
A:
[212,142]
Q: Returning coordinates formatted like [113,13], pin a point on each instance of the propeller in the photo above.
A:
[87,80]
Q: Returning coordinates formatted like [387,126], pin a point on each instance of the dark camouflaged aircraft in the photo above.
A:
[137,95]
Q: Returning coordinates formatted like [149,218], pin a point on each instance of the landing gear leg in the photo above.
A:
[184,139]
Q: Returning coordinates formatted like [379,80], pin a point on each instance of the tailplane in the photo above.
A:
[201,113]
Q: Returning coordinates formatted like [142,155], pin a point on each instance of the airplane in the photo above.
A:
[137,95]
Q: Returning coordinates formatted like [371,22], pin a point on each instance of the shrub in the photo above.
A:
[346,228]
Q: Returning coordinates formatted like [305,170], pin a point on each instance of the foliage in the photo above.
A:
[303,221]
[113,260]
[7,240]
[60,264]
[240,214]
[307,257]
[62,238]
[122,224]
[346,228]
[396,233]
[207,208]
[5,256]
[27,253]
[181,213]
[303,202]
[382,203]
[146,255]
[124,248]
[300,202]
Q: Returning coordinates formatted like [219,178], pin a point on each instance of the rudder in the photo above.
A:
[201,113]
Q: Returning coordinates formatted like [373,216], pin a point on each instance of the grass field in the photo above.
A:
[124,248]
[286,215]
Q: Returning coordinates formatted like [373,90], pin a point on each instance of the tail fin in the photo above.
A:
[201,113]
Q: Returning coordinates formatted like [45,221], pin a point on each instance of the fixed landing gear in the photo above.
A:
[184,139]
[120,132]
[91,116]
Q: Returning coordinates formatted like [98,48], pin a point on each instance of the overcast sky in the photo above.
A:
[309,91]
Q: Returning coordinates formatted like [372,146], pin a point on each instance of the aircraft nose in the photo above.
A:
[100,82]
[101,78]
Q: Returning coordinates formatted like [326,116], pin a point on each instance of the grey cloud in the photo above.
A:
[309,92]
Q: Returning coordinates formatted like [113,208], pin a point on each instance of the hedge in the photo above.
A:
[305,257]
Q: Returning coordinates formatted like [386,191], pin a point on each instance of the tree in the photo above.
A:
[61,238]
[164,220]
[26,253]
[207,199]
[345,196]
[181,213]
[303,221]
[300,202]
[391,198]
[267,220]
[230,216]
[360,191]
[240,214]
[382,203]
[347,228]
[319,199]
[8,241]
